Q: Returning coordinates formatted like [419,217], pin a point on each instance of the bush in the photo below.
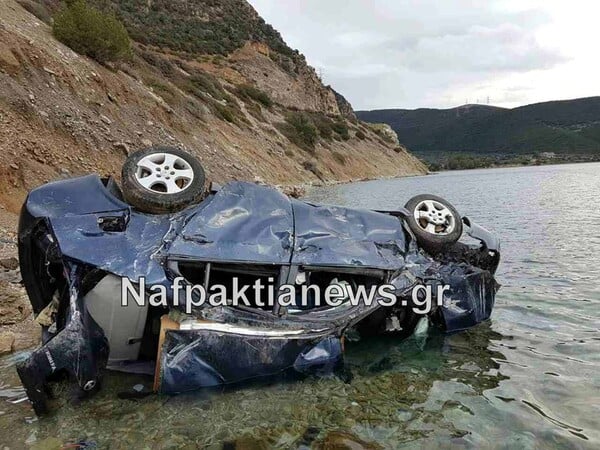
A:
[247,91]
[37,9]
[202,82]
[225,112]
[301,130]
[342,130]
[92,33]
[324,124]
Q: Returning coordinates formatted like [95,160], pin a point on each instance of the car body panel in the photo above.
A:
[242,222]
[337,236]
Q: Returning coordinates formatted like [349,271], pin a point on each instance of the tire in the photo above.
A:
[436,224]
[160,180]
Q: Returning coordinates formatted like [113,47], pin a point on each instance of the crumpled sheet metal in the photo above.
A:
[74,207]
[251,223]
[242,222]
[336,236]
[470,299]
[191,360]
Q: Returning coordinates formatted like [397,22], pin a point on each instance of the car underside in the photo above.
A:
[79,239]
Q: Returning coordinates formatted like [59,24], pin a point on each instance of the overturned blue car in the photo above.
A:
[147,277]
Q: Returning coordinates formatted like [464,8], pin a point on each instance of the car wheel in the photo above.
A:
[162,179]
[435,222]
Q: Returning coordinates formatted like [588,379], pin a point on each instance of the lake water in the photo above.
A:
[529,378]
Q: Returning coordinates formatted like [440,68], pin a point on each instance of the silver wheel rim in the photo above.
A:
[164,173]
[434,218]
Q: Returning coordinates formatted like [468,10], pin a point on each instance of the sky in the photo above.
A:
[445,53]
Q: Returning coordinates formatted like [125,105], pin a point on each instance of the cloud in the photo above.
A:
[403,53]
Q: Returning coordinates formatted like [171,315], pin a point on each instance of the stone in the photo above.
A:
[123,147]
[345,440]
[50,71]
[105,119]
[29,338]
[11,263]
[7,338]
[14,305]
[8,62]
[146,142]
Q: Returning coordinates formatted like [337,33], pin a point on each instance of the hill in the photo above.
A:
[569,128]
[205,75]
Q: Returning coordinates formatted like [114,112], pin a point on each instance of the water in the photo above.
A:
[530,378]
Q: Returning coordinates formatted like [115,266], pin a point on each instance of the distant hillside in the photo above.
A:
[570,127]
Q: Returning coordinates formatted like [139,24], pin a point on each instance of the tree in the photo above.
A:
[91,32]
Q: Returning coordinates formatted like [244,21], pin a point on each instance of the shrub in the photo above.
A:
[301,130]
[202,82]
[324,124]
[247,91]
[37,9]
[341,129]
[225,112]
[92,33]
[165,66]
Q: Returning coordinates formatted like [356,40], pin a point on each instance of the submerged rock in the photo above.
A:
[342,440]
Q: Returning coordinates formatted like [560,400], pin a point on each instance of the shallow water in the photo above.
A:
[529,378]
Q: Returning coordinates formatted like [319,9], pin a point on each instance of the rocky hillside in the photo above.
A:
[569,129]
[208,76]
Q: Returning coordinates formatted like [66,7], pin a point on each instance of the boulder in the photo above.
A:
[14,305]
[11,263]
[8,62]
[7,339]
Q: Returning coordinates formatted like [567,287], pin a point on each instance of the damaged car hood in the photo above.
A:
[249,222]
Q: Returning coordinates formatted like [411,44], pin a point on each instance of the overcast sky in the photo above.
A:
[425,53]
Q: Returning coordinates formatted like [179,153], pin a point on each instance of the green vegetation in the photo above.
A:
[569,127]
[225,112]
[341,129]
[216,27]
[39,10]
[304,128]
[460,161]
[248,92]
[324,124]
[90,32]
[300,129]
[201,83]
